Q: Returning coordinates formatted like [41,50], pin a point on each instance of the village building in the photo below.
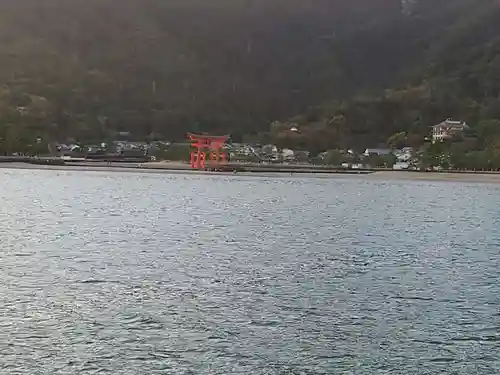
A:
[447,129]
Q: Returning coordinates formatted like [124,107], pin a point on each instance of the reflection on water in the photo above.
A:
[129,273]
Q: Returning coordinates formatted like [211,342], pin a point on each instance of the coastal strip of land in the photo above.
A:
[183,168]
[476,177]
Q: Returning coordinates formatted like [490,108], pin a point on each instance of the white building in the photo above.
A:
[270,152]
[287,154]
[400,166]
[404,155]
[447,129]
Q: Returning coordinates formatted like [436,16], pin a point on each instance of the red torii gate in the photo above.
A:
[207,143]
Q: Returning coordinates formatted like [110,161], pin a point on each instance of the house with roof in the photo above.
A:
[240,149]
[287,154]
[270,152]
[404,155]
[447,129]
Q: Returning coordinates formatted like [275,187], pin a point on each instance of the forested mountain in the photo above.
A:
[348,72]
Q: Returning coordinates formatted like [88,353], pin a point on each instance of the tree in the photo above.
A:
[458,160]
[388,160]
[429,159]
[152,68]
[176,152]
[397,140]
[333,157]
[487,131]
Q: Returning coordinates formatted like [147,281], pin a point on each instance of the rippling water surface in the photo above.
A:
[129,273]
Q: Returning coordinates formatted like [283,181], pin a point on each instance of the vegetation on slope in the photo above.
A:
[349,73]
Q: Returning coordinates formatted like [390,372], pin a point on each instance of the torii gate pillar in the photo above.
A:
[210,144]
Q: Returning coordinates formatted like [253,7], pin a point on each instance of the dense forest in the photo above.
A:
[348,73]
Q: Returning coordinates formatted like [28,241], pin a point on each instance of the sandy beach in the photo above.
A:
[182,168]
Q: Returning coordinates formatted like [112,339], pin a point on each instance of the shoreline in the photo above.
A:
[181,168]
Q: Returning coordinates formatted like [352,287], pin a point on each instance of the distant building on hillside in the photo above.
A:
[447,129]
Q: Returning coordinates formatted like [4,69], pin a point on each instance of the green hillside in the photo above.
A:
[348,72]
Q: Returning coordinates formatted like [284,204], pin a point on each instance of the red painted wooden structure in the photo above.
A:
[210,144]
